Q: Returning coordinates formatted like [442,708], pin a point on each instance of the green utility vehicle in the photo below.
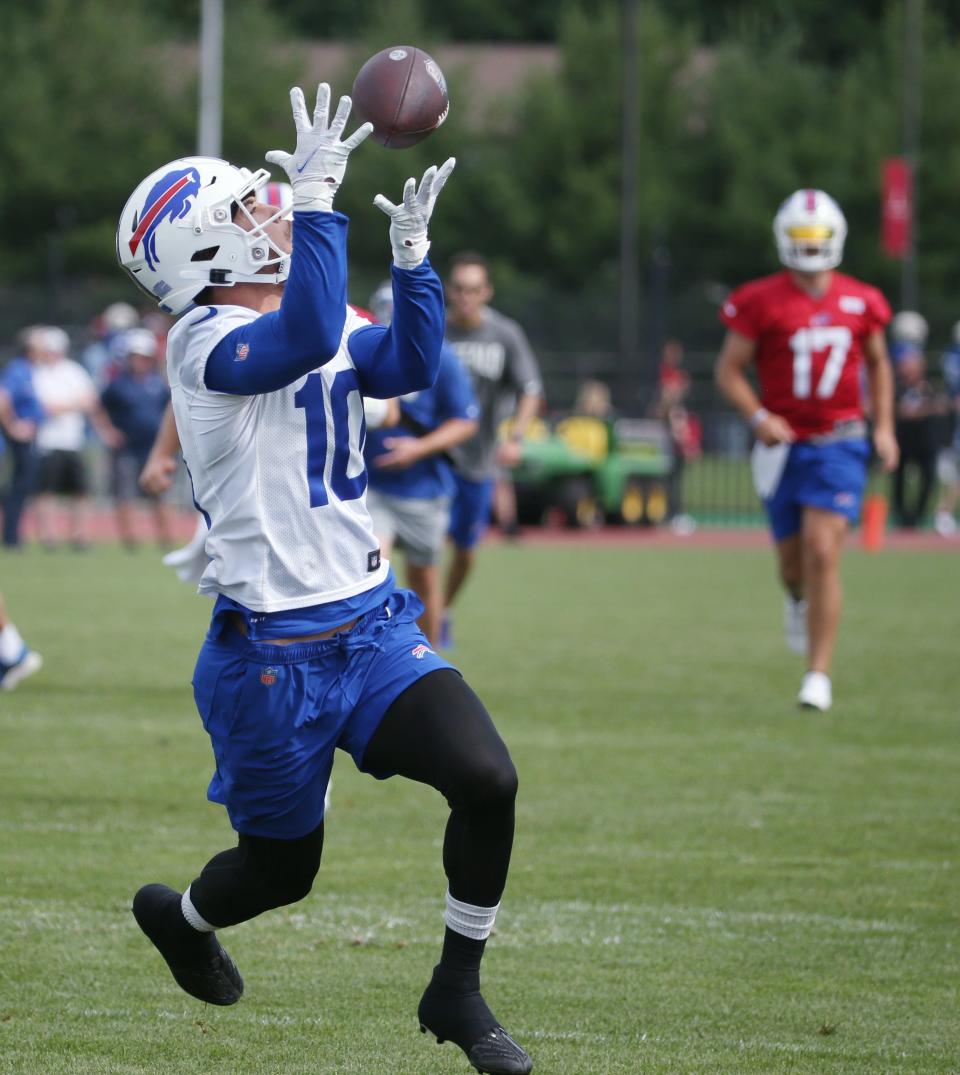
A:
[583,472]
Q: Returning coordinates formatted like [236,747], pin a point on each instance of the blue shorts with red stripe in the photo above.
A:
[276,713]
[828,476]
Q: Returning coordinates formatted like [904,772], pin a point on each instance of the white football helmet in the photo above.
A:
[177,235]
[910,327]
[810,230]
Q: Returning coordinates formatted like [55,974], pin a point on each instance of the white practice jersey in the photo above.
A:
[280,476]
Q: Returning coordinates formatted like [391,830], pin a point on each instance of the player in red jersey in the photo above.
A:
[810,331]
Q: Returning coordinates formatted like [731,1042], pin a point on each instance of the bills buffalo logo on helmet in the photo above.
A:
[170,198]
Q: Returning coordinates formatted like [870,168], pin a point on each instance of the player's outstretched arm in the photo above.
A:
[317,166]
[409,219]
[406,356]
[280,347]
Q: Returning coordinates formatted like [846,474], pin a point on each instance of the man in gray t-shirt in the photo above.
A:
[506,380]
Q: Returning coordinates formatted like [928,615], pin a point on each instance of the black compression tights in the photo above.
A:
[438,733]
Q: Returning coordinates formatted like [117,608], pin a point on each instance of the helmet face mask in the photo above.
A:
[179,232]
[810,230]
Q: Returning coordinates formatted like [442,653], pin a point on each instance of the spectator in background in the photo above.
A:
[21,417]
[593,401]
[684,431]
[945,521]
[134,403]
[506,380]
[98,358]
[68,396]
[409,471]
[673,381]
[908,327]
[918,406]
[17,660]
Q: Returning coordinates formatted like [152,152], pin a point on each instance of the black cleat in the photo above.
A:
[198,962]
[496,1053]
[465,1019]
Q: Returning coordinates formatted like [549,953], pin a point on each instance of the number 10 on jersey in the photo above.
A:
[319,433]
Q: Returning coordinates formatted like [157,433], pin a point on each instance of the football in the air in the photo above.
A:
[403,93]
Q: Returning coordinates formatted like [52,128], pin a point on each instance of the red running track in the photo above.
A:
[103,529]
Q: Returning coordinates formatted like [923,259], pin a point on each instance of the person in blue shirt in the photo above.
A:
[311,645]
[410,474]
[134,403]
[26,414]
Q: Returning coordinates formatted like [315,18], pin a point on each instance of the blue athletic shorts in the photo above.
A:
[275,713]
[470,511]
[828,476]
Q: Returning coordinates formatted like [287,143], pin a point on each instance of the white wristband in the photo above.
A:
[759,416]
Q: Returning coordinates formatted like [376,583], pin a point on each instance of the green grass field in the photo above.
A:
[705,879]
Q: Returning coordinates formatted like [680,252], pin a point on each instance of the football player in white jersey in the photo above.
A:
[311,645]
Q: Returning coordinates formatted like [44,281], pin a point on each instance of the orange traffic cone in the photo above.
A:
[873,525]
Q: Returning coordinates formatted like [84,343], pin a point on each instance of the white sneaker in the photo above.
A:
[795,624]
[683,525]
[945,524]
[815,692]
[13,674]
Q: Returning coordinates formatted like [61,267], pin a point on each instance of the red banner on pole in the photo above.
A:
[897,207]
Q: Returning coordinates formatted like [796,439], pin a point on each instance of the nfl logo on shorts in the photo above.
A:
[268,677]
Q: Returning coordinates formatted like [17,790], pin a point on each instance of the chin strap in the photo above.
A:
[254,278]
[231,276]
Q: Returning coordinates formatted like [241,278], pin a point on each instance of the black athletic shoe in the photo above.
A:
[197,960]
[465,1019]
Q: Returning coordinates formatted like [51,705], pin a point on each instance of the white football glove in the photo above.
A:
[317,165]
[408,221]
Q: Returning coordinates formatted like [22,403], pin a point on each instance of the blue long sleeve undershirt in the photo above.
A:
[305,332]
[405,357]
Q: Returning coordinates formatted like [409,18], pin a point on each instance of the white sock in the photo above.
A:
[192,915]
[11,644]
[470,920]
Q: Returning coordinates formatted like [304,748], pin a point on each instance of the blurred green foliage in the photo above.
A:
[739,103]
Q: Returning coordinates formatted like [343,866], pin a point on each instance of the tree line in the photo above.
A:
[735,112]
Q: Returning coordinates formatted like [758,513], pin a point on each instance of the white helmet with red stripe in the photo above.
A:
[810,230]
[177,233]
